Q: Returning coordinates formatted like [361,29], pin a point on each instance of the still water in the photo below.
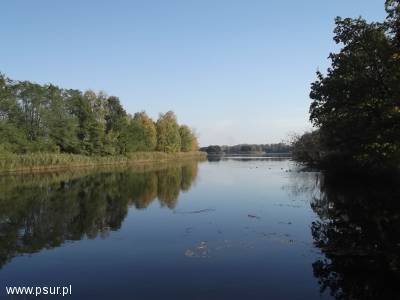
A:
[226,229]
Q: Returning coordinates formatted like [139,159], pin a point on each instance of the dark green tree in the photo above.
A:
[356,105]
[116,121]
[140,134]
[12,134]
[59,122]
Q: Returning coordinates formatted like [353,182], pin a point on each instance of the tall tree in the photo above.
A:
[187,138]
[31,97]
[141,133]
[12,133]
[356,104]
[116,121]
[168,137]
[60,123]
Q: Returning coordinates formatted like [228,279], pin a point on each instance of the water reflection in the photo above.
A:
[43,211]
[358,232]
[237,218]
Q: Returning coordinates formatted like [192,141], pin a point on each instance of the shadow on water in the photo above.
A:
[44,210]
[358,233]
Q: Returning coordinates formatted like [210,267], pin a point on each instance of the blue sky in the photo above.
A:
[236,71]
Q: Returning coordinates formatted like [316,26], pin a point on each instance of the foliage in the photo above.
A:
[168,137]
[188,139]
[213,149]
[306,148]
[46,118]
[356,104]
[248,149]
[141,133]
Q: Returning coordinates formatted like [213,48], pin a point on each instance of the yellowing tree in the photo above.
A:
[168,137]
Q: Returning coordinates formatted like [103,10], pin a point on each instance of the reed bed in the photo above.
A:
[45,161]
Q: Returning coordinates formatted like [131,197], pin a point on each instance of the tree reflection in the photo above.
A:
[359,234]
[43,211]
[169,184]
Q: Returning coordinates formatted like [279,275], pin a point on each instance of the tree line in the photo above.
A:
[47,118]
[356,105]
[248,149]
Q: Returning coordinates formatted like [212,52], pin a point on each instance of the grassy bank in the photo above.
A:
[46,161]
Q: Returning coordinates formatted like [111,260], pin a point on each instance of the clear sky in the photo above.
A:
[236,71]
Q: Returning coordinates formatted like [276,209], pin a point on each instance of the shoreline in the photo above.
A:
[261,154]
[44,162]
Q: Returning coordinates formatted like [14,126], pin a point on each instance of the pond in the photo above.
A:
[235,228]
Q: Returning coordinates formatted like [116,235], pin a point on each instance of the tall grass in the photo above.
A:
[43,161]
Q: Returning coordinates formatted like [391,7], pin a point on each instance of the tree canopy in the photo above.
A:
[356,104]
[47,118]
[169,139]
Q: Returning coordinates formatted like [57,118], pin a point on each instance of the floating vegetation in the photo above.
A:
[253,216]
[194,211]
[286,223]
[201,250]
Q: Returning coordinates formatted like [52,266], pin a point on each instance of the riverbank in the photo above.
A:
[36,162]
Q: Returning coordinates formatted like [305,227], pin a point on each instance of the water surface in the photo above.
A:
[229,229]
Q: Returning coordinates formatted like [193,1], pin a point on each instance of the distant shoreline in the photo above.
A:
[263,155]
[42,162]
